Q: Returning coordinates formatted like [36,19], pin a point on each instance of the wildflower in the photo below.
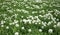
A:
[10,23]
[42,27]
[2,25]
[2,22]
[39,23]
[15,21]
[36,6]
[25,0]
[40,30]
[24,20]
[58,24]
[50,30]
[40,15]
[10,11]
[54,26]
[29,21]
[36,16]
[22,27]
[38,1]
[16,33]
[7,27]
[18,10]
[29,30]
[33,21]
[57,19]
[17,25]
[33,12]
[14,5]
[22,16]
[49,23]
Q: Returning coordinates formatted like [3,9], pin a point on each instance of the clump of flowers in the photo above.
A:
[29,17]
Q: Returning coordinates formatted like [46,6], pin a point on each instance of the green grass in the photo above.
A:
[10,8]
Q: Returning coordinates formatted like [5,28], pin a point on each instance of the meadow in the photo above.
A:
[29,17]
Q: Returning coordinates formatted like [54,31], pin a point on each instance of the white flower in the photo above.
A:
[25,11]
[39,23]
[33,21]
[10,11]
[54,26]
[42,27]
[15,15]
[50,30]
[2,25]
[57,19]
[58,24]
[25,0]
[14,5]
[40,30]
[36,16]
[36,6]
[2,22]
[40,15]
[43,23]
[10,23]
[33,12]
[7,27]
[15,21]
[16,33]
[49,23]
[17,25]
[22,16]
[18,10]
[38,1]
[25,21]
[36,23]
[29,21]
[22,28]
[29,30]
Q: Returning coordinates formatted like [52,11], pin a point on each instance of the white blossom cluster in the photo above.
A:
[22,14]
